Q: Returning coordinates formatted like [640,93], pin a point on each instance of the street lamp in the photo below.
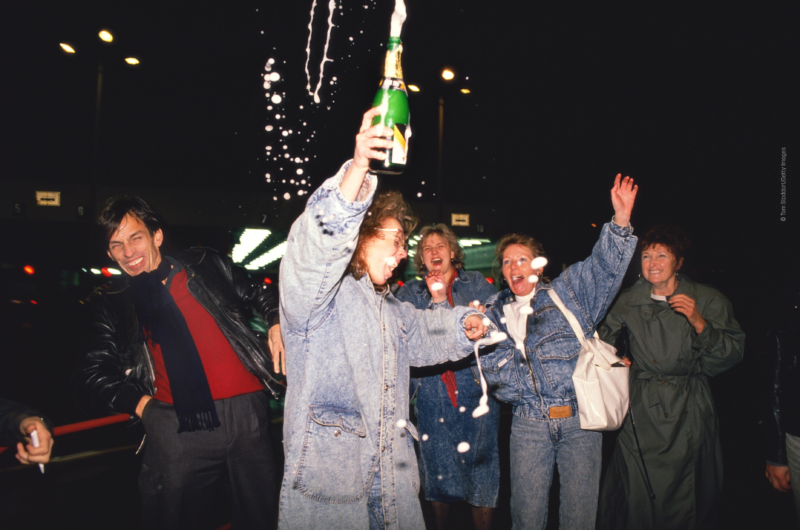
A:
[448,75]
[107,38]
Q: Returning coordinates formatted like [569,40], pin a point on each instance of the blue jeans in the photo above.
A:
[537,444]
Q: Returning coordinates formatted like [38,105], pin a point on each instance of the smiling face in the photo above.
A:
[133,247]
[517,269]
[384,252]
[659,265]
[436,255]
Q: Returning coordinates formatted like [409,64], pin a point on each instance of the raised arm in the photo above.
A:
[595,282]
[322,240]
[441,334]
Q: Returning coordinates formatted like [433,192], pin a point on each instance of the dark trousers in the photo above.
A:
[182,473]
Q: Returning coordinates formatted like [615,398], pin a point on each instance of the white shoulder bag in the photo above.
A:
[601,381]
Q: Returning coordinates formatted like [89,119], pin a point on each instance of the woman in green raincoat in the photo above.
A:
[666,469]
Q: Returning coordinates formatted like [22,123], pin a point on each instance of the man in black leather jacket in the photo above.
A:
[782,417]
[171,345]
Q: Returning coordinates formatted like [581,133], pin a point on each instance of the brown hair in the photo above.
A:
[389,204]
[516,239]
[443,231]
[671,236]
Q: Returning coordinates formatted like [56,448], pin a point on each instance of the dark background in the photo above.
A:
[696,103]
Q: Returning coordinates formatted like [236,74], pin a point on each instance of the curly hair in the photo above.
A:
[444,232]
[389,204]
[516,239]
[671,236]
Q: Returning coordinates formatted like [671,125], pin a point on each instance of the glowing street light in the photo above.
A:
[107,37]
[465,91]
[413,88]
[447,74]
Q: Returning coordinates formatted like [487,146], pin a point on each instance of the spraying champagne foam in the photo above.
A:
[493,338]
[398,17]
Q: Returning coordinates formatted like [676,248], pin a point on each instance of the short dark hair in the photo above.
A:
[444,232]
[671,236]
[116,208]
[385,205]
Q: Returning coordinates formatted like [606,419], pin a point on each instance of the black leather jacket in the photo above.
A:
[118,370]
[783,401]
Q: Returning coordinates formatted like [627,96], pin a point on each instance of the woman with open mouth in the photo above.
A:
[349,445]
[532,369]
[447,394]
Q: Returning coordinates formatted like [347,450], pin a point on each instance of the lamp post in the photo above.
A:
[106,37]
[447,75]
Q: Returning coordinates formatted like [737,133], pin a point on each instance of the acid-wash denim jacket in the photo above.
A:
[348,351]
[542,378]
[468,286]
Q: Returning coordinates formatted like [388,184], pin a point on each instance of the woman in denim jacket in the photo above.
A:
[350,459]
[447,395]
[532,369]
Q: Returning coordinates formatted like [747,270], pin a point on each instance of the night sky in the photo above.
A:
[694,103]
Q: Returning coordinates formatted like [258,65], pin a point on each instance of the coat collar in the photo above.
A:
[506,296]
[187,258]
[640,292]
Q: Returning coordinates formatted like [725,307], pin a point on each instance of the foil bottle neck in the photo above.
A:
[392,67]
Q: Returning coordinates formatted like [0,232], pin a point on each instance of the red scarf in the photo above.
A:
[449,378]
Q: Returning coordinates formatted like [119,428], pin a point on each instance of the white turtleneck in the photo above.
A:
[517,318]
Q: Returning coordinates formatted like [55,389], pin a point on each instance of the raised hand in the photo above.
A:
[368,145]
[686,306]
[623,195]
[436,286]
[370,139]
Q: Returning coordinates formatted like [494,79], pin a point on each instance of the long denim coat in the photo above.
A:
[447,475]
[542,376]
[348,351]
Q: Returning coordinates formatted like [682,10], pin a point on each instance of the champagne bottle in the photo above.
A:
[392,99]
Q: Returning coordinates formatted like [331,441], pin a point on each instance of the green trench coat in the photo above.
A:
[672,409]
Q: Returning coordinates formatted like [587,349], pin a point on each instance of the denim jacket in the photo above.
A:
[468,286]
[348,352]
[543,377]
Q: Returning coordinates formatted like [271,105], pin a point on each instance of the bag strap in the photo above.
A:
[576,327]
[601,356]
